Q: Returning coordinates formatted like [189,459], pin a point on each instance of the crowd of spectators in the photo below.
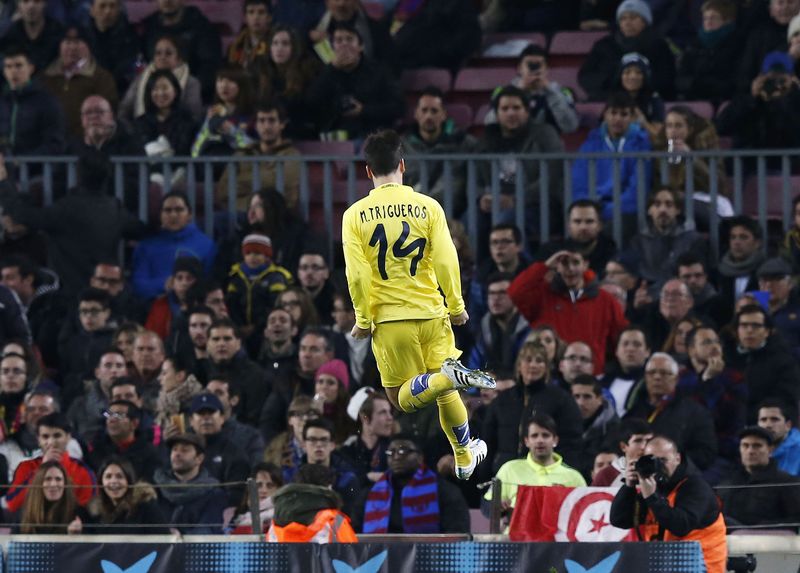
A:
[144,395]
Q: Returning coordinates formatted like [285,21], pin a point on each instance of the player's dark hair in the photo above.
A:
[383,151]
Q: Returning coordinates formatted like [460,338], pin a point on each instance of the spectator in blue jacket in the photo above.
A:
[780,417]
[179,236]
[618,133]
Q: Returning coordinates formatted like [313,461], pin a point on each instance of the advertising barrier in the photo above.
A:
[252,557]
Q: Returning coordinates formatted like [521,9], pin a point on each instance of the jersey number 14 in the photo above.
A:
[398,249]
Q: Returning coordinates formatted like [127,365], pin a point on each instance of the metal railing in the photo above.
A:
[328,183]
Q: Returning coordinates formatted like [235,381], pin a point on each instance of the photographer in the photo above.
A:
[663,500]
[769,116]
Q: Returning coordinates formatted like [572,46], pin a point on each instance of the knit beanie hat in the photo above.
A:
[794,28]
[335,368]
[257,244]
[189,264]
[638,7]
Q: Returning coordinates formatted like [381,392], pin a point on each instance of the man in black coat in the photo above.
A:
[767,37]
[85,226]
[759,505]
[690,424]
[201,41]
[512,408]
[37,33]
[122,438]
[12,320]
[224,459]
[761,356]
[115,43]
[226,357]
[353,93]
[31,120]
[315,349]
[455,26]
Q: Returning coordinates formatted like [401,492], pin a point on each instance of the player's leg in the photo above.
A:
[440,351]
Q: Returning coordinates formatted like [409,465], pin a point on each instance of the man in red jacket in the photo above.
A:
[54,433]
[564,293]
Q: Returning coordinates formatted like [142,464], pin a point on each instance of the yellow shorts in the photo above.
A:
[406,348]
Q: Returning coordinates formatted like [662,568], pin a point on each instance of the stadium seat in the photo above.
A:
[504,49]
[138,10]
[774,192]
[480,115]
[568,78]
[474,86]
[461,114]
[590,114]
[417,80]
[571,48]
[227,16]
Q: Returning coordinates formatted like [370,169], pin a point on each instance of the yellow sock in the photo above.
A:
[422,390]
[454,422]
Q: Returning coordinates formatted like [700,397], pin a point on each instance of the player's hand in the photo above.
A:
[459,319]
[359,333]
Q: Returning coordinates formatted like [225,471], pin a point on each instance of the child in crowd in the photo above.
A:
[185,272]
[254,283]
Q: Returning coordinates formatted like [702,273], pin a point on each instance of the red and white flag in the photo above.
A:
[565,514]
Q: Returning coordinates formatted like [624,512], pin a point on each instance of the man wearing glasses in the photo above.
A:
[764,360]
[319,447]
[121,437]
[410,498]
[654,399]
[565,294]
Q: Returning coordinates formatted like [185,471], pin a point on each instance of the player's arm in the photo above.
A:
[445,262]
[358,271]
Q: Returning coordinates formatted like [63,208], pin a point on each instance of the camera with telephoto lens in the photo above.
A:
[648,466]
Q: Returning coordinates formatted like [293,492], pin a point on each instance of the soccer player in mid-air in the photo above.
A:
[398,254]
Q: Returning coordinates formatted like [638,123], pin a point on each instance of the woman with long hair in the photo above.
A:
[286,77]
[167,55]
[634,78]
[685,131]
[178,387]
[331,391]
[286,449]
[547,336]
[230,118]
[50,504]
[508,414]
[269,479]
[124,506]
[675,345]
[123,338]
[297,302]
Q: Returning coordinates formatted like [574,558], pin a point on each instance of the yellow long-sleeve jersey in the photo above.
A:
[398,253]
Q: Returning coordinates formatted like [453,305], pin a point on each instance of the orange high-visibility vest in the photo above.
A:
[712,538]
[329,526]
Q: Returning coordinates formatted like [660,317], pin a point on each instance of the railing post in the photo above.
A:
[497,506]
[255,509]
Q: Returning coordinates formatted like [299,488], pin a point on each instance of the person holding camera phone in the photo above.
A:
[768,117]
[548,101]
[664,499]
